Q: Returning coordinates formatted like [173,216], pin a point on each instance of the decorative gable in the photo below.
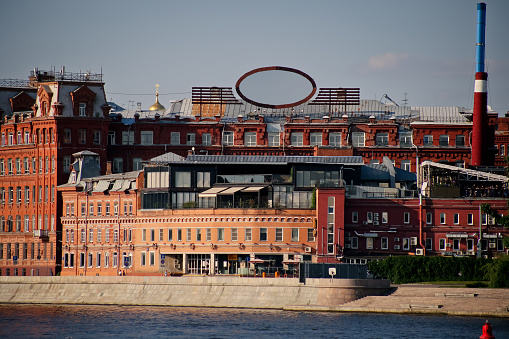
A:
[86,97]
[45,94]
[21,102]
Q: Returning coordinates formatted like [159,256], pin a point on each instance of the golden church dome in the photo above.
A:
[157,106]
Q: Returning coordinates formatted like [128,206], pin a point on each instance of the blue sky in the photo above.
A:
[423,48]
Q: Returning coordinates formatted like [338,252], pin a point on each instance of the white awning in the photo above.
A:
[101,186]
[253,189]
[211,192]
[125,185]
[231,190]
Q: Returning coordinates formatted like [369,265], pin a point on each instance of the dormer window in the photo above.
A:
[83,109]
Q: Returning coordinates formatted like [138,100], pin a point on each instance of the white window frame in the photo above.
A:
[146,137]
[335,139]
[358,139]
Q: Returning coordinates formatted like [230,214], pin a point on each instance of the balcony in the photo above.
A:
[42,234]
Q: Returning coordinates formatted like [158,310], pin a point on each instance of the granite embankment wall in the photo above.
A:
[207,291]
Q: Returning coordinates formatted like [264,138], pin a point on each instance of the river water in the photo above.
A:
[73,322]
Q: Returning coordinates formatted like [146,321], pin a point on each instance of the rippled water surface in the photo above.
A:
[40,321]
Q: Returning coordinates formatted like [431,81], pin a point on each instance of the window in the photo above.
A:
[442,218]
[355,217]
[382,139]
[263,234]
[99,235]
[143,258]
[455,244]
[456,218]
[273,139]
[406,243]
[297,139]
[250,139]
[115,208]
[152,235]
[179,234]
[369,243]
[502,150]
[247,236]
[335,139]
[406,217]
[385,217]
[107,235]
[206,139]
[118,165]
[235,234]
[98,259]
[175,138]
[18,165]
[203,179]
[358,139]
[295,234]
[443,140]
[198,234]
[405,139]
[67,135]
[170,234]
[311,235]
[460,141]
[369,217]
[354,242]
[470,219]
[82,259]
[182,179]
[279,234]
[429,244]
[405,165]
[91,235]
[127,137]
[228,138]
[189,235]
[190,139]
[147,137]
[96,137]
[107,210]
[111,137]
[208,234]
[152,258]
[27,137]
[220,234]
[2,167]
[385,243]
[91,209]
[137,164]
[82,136]
[427,141]
[315,139]
[429,218]
[99,209]
[83,109]
[10,169]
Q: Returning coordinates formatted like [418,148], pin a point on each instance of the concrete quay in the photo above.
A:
[198,291]
[430,299]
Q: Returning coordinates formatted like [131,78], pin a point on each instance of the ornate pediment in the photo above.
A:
[45,94]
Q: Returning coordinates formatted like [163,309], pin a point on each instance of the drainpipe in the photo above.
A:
[417,172]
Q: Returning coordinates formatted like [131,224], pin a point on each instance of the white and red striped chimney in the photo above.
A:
[479,144]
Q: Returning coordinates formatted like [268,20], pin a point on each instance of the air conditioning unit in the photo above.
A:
[396,239]
[397,247]
[459,253]
[419,251]
[413,241]
[471,252]
[307,249]
[37,233]
[376,223]
[364,222]
[493,245]
[347,238]
[347,245]
[177,266]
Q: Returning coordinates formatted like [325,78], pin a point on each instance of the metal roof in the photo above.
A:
[466,171]
[270,159]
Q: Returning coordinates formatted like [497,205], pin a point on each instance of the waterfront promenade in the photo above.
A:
[339,295]
[431,299]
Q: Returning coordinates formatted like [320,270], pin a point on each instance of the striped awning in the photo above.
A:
[231,190]
[253,189]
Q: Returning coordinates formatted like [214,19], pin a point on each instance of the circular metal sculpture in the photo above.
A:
[270,80]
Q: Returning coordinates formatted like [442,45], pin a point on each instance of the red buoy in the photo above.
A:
[486,331]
